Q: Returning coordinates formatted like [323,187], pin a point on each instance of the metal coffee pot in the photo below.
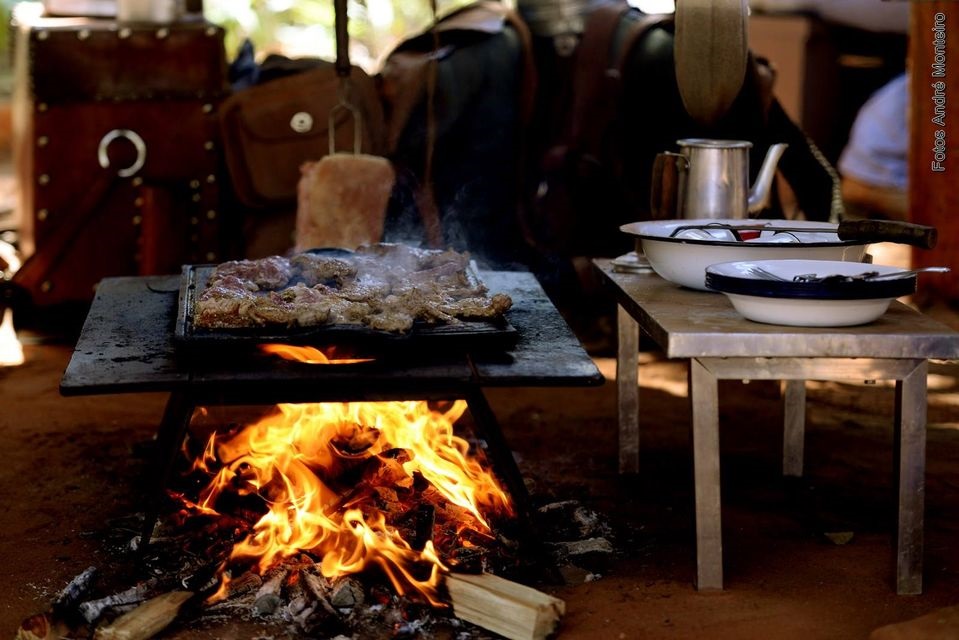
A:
[710,179]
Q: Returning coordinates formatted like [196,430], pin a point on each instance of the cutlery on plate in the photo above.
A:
[868,276]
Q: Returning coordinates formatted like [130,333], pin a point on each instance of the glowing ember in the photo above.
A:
[307,355]
[327,471]
[11,351]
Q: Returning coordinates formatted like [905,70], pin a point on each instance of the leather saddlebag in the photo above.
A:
[117,152]
[272,128]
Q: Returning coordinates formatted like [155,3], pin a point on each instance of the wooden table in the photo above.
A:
[720,344]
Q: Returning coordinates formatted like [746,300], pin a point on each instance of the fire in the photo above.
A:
[11,351]
[326,469]
[307,355]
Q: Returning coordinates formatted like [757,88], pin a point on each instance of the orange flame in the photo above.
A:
[222,592]
[307,355]
[296,459]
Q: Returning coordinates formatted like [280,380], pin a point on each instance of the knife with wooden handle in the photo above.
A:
[917,235]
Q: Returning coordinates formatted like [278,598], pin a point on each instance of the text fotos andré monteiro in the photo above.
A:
[939,91]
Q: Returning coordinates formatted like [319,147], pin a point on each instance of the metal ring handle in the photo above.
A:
[138,144]
[357,126]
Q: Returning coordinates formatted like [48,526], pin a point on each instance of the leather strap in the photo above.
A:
[598,93]
[426,198]
[341,31]
[37,268]
[530,80]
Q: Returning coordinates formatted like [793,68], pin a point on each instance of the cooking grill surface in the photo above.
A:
[463,335]
[128,345]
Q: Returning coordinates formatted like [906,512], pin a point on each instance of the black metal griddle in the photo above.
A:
[463,335]
[128,344]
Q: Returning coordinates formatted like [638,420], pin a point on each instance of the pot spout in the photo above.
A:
[759,193]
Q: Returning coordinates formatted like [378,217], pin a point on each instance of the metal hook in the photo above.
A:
[344,103]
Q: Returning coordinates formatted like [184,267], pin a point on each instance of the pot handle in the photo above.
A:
[664,187]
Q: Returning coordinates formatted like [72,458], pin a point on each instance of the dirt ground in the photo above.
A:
[72,465]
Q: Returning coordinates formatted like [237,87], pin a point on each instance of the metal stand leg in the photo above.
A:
[502,457]
[794,426]
[703,392]
[910,467]
[627,390]
[170,435]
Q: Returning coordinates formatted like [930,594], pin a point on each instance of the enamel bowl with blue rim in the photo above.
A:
[810,293]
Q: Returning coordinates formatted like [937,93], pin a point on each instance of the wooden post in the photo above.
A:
[934,140]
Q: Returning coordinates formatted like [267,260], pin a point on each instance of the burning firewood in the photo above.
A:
[349,487]
[319,615]
[268,596]
[247,582]
[296,596]
[346,592]
[510,609]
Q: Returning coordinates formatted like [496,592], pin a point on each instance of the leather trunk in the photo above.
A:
[116,152]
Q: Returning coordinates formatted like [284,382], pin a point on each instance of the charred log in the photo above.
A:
[268,596]
[91,610]
[75,591]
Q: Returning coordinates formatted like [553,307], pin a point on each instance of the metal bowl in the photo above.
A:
[681,254]
[810,293]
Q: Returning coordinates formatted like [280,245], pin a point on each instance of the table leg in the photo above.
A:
[910,467]
[627,390]
[703,393]
[794,427]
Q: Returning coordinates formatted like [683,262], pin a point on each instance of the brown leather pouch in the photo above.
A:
[269,130]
